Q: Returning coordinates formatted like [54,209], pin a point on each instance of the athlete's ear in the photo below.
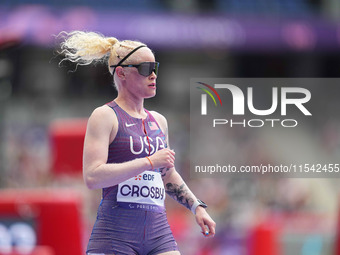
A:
[120,72]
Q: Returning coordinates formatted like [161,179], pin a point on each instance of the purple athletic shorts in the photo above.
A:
[121,231]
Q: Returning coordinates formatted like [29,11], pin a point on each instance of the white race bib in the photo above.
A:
[144,191]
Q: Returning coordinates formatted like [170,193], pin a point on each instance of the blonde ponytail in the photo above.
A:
[85,48]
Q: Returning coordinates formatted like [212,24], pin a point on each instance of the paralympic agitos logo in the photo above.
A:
[281,97]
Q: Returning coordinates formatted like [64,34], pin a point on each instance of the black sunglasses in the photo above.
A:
[145,68]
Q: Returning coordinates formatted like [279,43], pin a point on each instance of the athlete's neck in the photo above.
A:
[133,107]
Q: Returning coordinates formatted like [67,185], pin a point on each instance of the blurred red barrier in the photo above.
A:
[337,237]
[67,141]
[53,214]
[263,240]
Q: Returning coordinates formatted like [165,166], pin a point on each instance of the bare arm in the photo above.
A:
[179,191]
[176,188]
[101,129]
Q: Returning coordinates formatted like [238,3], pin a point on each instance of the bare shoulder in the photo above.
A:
[160,119]
[102,117]
[102,111]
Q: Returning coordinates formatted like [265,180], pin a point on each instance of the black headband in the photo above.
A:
[128,55]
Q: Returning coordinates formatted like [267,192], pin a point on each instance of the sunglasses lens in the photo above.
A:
[147,68]
[143,69]
[155,69]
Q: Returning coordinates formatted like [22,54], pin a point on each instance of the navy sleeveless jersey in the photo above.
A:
[136,138]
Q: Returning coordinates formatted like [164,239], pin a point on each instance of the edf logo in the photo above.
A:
[148,177]
[145,177]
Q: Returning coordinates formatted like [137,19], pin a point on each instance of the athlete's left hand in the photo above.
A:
[206,223]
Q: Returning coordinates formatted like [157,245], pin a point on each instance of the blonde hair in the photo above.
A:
[85,48]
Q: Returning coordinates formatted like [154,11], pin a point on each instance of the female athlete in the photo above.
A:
[127,154]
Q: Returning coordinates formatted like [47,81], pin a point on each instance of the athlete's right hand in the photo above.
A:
[163,158]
